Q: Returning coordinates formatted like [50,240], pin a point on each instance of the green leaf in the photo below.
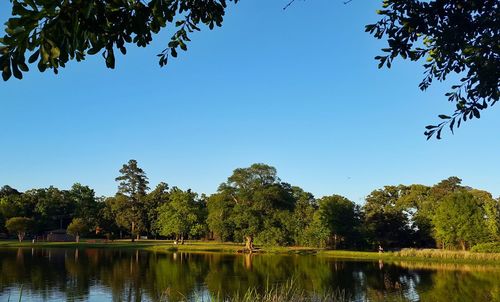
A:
[16,72]
[93,51]
[55,52]
[23,67]
[34,56]
[6,73]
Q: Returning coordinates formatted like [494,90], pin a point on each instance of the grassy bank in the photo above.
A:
[423,255]
[85,244]
[434,255]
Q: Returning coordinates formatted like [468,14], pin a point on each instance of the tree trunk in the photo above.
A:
[334,241]
[182,238]
[249,243]
[133,231]
[20,236]
[77,238]
[462,244]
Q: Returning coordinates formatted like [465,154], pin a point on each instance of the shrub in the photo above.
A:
[490,247]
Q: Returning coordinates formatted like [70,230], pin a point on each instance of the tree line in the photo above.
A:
[255,206]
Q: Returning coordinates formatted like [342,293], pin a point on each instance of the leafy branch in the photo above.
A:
[454,37]
[54,32]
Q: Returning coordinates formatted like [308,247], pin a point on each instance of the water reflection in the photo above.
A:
[134,275]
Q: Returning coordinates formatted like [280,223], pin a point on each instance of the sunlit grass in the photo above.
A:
[446,255]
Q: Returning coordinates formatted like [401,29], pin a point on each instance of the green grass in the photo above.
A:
[422,255]
[433,255]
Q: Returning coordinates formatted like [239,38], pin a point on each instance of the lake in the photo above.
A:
[138,275]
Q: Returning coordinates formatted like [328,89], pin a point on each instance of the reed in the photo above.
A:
[446,255]
[286,292]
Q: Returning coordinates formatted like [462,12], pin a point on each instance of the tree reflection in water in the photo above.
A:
[136,275]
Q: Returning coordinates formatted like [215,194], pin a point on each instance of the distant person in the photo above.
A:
[380,249]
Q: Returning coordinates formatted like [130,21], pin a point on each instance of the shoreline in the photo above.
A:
[167,246]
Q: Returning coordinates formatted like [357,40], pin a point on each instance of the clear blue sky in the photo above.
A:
[296,89]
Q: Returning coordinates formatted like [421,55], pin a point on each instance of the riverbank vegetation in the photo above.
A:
[204,247]
[256,207]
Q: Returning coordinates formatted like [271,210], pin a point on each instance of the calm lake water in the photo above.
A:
[134,275]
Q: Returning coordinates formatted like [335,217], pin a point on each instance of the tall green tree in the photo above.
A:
[417,204]
[181,215]
[52,208]
[155,199]
[133,181]
[257,196]
[220,208]
[125,214]
[460,222]
[316,233]
[491,208]
[108,220]
[77,227]
[11,205]
[303,213]
[339,216]
[133,184]
[86,204]
[19,226]
[386,222]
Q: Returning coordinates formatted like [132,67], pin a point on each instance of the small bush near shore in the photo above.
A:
[490,247]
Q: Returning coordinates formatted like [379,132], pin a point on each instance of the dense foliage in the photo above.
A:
[19,225]
[489,247]
[256,207]
[455,37]
[77,227]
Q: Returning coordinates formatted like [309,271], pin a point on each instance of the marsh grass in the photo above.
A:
[447,255]
[285,292]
